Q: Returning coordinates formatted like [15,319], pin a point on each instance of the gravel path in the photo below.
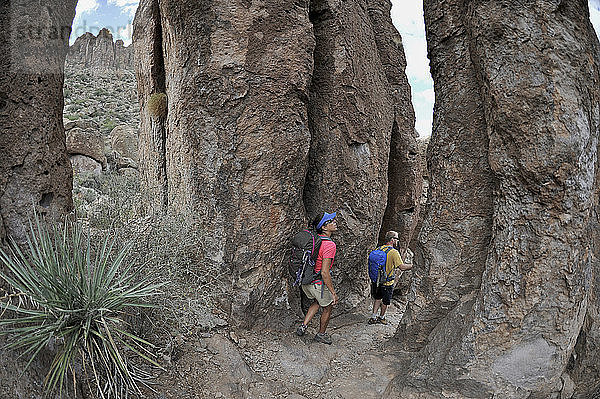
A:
[247,364]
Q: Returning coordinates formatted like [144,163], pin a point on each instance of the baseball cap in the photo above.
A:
[326,217]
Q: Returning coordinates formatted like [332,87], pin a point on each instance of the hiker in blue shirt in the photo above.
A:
[382,291]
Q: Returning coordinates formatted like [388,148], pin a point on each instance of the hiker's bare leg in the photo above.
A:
[325,316]
[383,309]
[312,311]
[376,305]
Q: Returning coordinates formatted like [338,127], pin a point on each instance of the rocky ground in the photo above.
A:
[228,363]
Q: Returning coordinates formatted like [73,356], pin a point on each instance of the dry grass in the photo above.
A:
[167,247]
[157,105]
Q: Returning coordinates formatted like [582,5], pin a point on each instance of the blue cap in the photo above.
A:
[327,217]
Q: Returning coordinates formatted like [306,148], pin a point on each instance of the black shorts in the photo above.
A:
[383,292]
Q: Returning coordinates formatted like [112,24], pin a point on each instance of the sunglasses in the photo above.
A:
[329,221]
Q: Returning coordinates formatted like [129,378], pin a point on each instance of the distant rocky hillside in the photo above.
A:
[100,53]
[100,82]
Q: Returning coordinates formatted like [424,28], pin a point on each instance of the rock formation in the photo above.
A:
[274,111]
[507,325]
[124,144]
[356,107]
[34,168]
[100,53]
[453,240]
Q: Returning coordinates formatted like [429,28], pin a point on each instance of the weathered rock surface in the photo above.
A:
[422,144]
[235,138]
[452,245]
[124,140]
[34,168]
[100,53]
[246,99]
[513,337]
[85,164]
[150,74]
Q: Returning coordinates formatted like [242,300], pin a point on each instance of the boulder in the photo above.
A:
[124,140]
[34,167]
[82,124]
[86,142]
[85,164]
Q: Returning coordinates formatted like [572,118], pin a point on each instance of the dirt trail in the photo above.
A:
[246,364]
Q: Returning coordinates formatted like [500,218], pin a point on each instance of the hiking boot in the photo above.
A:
[301,330]
[381,320]
[323,338]
[372,320]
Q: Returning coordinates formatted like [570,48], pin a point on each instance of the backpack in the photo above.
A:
[304,252]
[377,260]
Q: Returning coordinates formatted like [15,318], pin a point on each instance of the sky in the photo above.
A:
[407,16]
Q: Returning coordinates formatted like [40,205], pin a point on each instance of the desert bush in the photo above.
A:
[157,105]
[117,200]
[73,295]
[108,125]
[168,247]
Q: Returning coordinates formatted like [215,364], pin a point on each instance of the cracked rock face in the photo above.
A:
[274,111]
[34,167]
[504,320]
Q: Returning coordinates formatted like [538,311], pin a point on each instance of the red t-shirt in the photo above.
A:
[326,251]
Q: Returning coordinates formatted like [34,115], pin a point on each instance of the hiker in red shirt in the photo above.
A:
[321,290]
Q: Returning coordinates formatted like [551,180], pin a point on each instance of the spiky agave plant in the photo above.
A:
[71,296]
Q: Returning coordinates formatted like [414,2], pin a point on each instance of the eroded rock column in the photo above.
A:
[150,76]
[35,172]
[236,80]
[404,173]
[452,246]
[514,336]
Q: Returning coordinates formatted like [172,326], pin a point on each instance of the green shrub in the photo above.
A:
[157,105]
[108,125]
[77,296]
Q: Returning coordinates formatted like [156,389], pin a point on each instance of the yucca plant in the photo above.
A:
[72,296]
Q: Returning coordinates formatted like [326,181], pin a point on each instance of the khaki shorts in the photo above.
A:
[320,292]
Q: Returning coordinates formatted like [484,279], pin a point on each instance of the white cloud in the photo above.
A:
[127,6]
[85,8]
[407,16]
[124,33]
